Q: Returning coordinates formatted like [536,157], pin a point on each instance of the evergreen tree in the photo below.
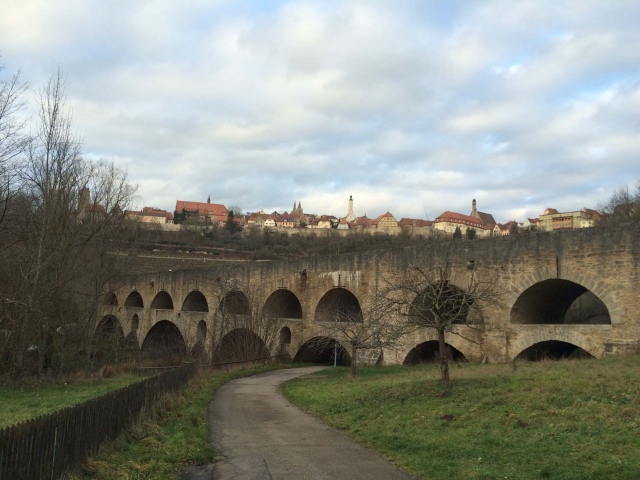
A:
[471,233]
[457,235]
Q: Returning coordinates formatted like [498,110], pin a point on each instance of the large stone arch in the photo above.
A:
[164,343]
[321,350]
[195,302]
[587,279]
[338,304]
[560,333]
[283,303]
[427,352]
[162,301]
[470,350]
[241,345]
[559,302]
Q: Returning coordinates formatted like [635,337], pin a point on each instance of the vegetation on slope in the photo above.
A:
[177,437]
[574,419]
[24,402]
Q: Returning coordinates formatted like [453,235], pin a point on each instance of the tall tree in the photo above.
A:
[444,293]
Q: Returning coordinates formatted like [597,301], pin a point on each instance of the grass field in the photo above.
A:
[574,419]
[22,403]
[177,438]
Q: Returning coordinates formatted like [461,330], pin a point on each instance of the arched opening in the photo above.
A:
[132,338]
[162,301]
[164,344]
[198,349]
[235,303]
[283,304]
[108,341]
[285,342]
[110,299]
[241,345]
[108,328]
[452,303]
[428,352]
[195,302]
[553,350]
[322,350]
[285,336]
[338,305]
[559,302]
[134,300]
[201,332]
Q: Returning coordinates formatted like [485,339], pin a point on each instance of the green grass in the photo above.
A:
[575,419]
[22,403]
[177,438]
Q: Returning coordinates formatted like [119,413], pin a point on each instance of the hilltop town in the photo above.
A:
[475,224]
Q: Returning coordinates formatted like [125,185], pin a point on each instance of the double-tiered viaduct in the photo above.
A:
[576,288]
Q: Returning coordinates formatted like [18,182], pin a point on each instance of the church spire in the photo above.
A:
[209,199]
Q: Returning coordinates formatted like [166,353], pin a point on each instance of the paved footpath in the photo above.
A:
[263,436]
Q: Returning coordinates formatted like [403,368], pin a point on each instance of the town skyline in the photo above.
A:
[410,107]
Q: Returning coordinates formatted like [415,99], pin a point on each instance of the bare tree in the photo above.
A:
[12,139]
[368,330]
[622,207]
[441,292]
[55,259]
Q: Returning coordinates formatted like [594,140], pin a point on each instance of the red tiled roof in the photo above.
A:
[453,217]
[550,211]
[202,208]
[415,222]
[487,219]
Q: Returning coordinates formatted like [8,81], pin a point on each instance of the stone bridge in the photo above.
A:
[561,291]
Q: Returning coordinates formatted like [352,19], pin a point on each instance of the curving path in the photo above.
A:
[263,436]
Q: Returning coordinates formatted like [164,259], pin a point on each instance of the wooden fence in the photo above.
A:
[46,446]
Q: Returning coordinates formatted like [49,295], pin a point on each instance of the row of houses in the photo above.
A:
[482,223]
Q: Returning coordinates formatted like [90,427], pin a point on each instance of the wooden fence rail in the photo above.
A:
[46,446]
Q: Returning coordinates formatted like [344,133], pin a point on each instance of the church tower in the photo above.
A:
[350,216]
[474,211]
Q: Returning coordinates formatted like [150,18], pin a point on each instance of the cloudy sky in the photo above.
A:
[410,106]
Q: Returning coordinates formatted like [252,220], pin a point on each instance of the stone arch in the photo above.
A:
[134,300]
[552,350]
[109,346]
[164,343]
[283,303]
[132,337]
[451,299]
[235,302]
[110,299]
[285,336]
[338,304]
[559,302]
[201,331]
[588,280]
[561,334]
[108,327]
[427,352]
[321,350]
[195,302]
[241,345]
[162,301]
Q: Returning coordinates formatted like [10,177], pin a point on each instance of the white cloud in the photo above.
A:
[409,107]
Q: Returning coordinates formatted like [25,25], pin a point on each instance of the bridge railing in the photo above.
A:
[47,446]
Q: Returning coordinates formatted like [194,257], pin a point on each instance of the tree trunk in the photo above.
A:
[354,362]
[443,351]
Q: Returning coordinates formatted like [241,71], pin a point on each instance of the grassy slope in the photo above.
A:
[177,438]
[560,420]
[21,403]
